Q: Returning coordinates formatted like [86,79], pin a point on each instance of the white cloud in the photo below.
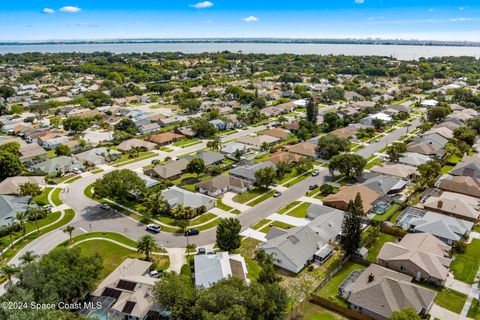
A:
[359,1]
[250,19]
[48,10]
[202,5]
[70,9]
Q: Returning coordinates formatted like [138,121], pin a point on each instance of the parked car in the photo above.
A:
[47,208]
[154,228]
[105,206]
[192,232]
[377,140]
[201,251]
[277,194]
[315,173]
[313,186]
[155,274]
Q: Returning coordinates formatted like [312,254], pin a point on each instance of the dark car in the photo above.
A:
[313,186]
[201,251]
[192,232]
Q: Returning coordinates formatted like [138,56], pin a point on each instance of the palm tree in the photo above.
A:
[146,245]
[215,144]
[69,230]
[8,271]
[34,213]
[22,218]
[28,257]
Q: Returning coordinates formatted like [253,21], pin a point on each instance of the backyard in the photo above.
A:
[378,244]
[465,265]
[312,311]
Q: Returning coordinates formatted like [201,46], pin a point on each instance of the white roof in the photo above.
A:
[212,268]
[429,103]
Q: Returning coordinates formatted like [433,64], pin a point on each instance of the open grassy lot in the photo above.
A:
[378,244]
[330,290]
[465,265]
[312,311]
[300,211]
[249,195]
[187,143]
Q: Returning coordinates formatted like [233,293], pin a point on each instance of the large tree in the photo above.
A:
[332,121]
[265,177]
[437,114]
[312,111]
[204,128]
[349,164]
[428,172]
[10,165]
[30,189]
[62,150]
[330,145]
[190,105]
[465,134]
[215,144]
[395,151]
[127,125]
[146,245]
[352,225]
[196,165]
[119,184]
[228,234]
[157,204]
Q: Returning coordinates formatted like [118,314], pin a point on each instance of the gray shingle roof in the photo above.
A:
[383,183]
[248,171]
[176,196]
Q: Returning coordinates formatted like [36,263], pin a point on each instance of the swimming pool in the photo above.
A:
[381,207]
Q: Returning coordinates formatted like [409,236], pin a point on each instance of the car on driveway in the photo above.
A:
[154,228]
[277,194]
[105,206]
[192,232]
[315,173]
[201,251]
[313,186]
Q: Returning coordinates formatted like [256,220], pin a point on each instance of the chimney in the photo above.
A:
[371,277]
[440,204]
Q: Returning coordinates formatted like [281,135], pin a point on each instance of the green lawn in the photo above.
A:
[446,169]
[247,249]
[187,143]
[42,199]
[261,199]
[378,244]
[56,197]
[124,159]
[223,206]
[465,265]
[312,311]
[209,225]
[297,179]
[373,163]
[165,149]
[257,225]
[300,211]
[288,207]
[330,290]
[278,224]
[455,158]
[108,235]
[249,195]
[474,311]
[202,218]
[79,177]
[451,300]
[383,217]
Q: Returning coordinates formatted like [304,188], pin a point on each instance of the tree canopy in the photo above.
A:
[228,234]
[119,184]
[330,145]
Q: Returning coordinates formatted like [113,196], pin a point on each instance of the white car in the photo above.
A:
[153,228]
[105,206]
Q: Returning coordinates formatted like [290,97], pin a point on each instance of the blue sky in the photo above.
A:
[102,19]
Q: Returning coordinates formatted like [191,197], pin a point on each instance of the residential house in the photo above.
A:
[305,149]
[211,268]
[344,132]
[454,204]
[28,151]
[247,172]
[131,290]
[460,184]
[178,196]
[220,184]
[346,194]
[284,156]
[377,292]
[277,133]
[12,185]
[127,145]
[53,166]
[186,131]
[230,148]
[97,137]
[397,170]
[292,126]
[426,147]
[293,249]
[10,206]
[327,222]
[149,128]
[368,120]
[469,169]
[420,255]
[210,158]
[221,125]
[51,144]
[98,156]
[258,141]
[414,159]
[170,170]
[385,184]
[165,138]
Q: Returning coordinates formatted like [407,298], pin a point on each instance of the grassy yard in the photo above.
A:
[373,163]
[42,199]
[297,179]
[451,300]
[249,195]
[383,217]
[124,159]
[446,169]
[300,211]
[474,311]
[465,265]
[56,197]
[259,224]
[187,143]
[247,249]
[312,311]
[378,244]
[261,199]
[278,224]
[108,235]
[203,218]
[330,290]
[288,207]
[223,206]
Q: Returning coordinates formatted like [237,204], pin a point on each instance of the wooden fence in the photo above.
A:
[349,313]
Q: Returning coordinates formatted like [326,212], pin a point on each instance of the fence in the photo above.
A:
[394,231]
[349,313]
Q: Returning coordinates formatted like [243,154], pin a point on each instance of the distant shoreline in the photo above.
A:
[250,40]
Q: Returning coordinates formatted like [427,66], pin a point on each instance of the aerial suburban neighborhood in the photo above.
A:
[240,186]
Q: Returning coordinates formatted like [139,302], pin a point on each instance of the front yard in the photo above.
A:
[249,195]
[465,265]
[299,211]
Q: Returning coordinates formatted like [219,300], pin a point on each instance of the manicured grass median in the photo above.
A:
[108,235]
[300,211]
[42,199]
[249,195]
[288,207]
[465,265]
[56,197]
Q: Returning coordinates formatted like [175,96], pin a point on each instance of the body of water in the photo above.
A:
[402,52]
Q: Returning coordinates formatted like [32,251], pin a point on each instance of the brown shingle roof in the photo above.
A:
[305,149]
[346,194]
[165,138]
